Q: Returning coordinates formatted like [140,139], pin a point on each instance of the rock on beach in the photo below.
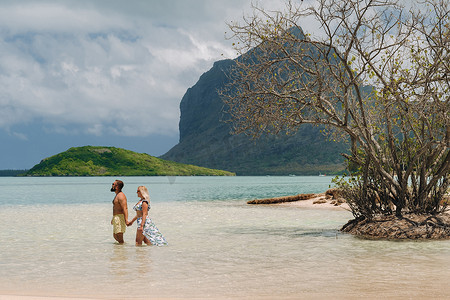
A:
[329,200]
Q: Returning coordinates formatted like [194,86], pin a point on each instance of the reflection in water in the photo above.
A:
[128,261]
[118,261]
[143,260]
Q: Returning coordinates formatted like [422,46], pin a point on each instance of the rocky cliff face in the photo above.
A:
[201,107]
[205,138]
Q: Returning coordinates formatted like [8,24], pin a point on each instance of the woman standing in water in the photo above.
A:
[147,231]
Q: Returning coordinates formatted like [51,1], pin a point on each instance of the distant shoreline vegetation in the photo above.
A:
[111,161]
[11,173]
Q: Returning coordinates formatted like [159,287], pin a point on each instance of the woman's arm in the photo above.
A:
[132,221]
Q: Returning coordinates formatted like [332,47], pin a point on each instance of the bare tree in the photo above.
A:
[377,73]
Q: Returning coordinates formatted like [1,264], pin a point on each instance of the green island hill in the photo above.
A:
[111,161]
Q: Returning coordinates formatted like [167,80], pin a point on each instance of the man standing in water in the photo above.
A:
[120,211]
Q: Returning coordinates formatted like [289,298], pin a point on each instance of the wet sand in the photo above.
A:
[17,297]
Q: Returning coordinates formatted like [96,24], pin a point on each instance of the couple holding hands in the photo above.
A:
[147,231]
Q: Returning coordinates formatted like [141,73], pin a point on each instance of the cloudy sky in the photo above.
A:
[103,72]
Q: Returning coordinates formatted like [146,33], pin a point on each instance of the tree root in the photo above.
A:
[409,226]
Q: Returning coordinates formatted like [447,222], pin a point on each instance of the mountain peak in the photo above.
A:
[205,139]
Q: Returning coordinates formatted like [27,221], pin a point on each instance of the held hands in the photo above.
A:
[129,223]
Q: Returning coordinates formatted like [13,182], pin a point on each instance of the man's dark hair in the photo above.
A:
[119,185]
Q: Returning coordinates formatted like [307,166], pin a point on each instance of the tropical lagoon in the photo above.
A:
[57,241]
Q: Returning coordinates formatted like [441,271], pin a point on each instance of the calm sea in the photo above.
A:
[56,240]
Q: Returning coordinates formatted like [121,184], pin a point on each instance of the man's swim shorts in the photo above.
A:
[118,222]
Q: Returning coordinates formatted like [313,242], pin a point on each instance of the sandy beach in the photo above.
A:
[14,297]
[17,297]
[318,202]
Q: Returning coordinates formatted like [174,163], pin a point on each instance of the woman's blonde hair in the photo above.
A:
[144,192]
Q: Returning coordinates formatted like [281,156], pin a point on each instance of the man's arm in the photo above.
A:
[123,204]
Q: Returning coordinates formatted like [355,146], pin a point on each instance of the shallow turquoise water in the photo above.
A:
[89,190]
[57,240]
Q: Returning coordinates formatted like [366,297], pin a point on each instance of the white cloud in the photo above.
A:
[111,66]
[20,136]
